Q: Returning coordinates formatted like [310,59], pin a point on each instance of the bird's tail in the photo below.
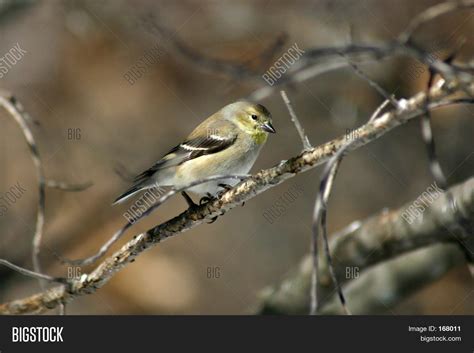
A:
[130,192]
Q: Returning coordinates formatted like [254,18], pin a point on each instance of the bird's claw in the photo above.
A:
[205,199]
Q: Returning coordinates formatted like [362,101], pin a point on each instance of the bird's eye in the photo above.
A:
[254,117]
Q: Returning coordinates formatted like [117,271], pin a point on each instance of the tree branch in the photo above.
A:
[379,238]
[294,118]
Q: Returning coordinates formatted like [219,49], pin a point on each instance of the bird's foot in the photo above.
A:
[206,198]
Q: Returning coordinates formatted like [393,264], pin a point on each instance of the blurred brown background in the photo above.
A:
[72,79]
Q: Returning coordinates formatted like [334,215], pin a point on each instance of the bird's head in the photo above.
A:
[254,119]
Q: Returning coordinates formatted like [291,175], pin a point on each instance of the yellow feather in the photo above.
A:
[259,137]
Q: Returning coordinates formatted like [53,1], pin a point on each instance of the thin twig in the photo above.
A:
[340,293]
[433,161]
[33,274]
[294,118]
[319,219]
[377,111]
[314,249]
[14,108]
[440,104]
[359,72]
[430,14]
[373,84]
[428,136]
[320,208]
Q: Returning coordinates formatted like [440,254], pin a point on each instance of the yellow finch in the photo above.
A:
[228,142]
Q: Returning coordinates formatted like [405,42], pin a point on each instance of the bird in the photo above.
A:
[226,143]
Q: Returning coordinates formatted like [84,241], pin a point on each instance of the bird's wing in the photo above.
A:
[191,148]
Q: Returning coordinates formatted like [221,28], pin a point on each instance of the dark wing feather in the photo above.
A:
[190,149]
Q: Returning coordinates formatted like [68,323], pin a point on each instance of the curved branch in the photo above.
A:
[294,118]
[19,115]
[31,274]
[381,237]
[431,13]
[311,65]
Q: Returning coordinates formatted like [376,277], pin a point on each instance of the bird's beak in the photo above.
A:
[268,128]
